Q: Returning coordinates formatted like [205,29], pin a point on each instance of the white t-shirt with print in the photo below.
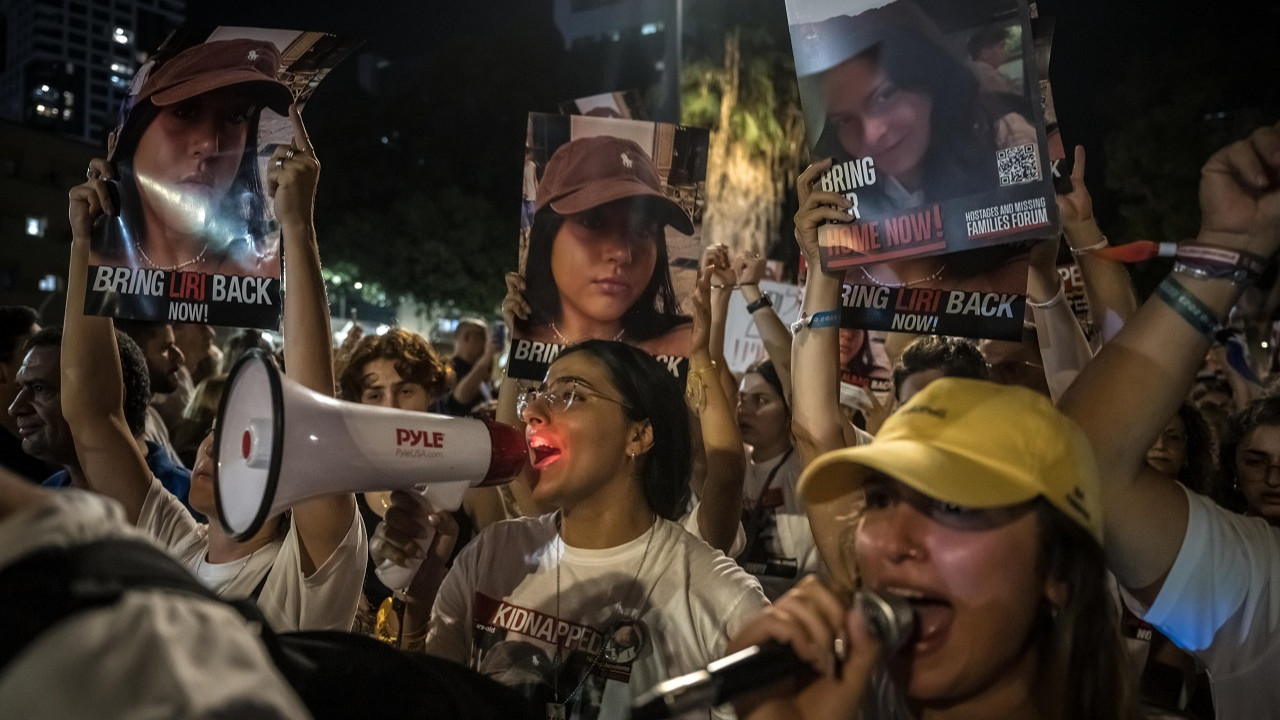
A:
[497,612]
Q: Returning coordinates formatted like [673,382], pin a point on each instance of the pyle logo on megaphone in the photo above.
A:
[279,444]
[419,438]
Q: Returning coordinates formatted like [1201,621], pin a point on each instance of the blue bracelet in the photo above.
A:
[826,318]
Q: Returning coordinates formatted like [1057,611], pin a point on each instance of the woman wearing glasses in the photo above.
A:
[592,604]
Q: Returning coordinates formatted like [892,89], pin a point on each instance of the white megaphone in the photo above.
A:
[278,444]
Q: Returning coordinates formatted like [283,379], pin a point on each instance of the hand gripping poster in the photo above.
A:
[930,112]
[195,238]
[937,140]
[611,245]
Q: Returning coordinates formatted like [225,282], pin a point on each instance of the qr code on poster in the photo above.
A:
[1018,165]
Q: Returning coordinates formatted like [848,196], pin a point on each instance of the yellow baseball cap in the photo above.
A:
[975,444]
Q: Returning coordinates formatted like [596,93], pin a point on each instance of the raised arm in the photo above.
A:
[816,420]
[1064,350]
[92,385]
[773,332]
[291,180]
[815,358]
[1106,283]
[720,497]
[1125,396]
[715,264]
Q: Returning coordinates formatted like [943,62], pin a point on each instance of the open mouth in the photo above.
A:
[933,617]
[544,453]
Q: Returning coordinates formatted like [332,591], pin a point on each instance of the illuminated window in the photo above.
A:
[36,226]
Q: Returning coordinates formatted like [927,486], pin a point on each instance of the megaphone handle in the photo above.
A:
[393,575]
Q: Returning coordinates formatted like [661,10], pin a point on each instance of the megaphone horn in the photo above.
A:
[278,444]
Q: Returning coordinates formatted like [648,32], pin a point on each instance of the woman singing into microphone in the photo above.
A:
[981,506]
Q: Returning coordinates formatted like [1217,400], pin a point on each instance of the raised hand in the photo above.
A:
[292,175]
[816,207]
[1240,194]
[1077,205]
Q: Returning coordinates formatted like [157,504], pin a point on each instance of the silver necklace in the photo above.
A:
[556,709]
[910,283]
[199,256]
[239,571]
[565,341]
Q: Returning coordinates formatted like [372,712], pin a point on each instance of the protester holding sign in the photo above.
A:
[304,567]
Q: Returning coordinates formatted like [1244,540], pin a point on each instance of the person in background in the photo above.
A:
[472,363]
[17,325]
[200,353]
[930,357]
[170,382]
[38,410]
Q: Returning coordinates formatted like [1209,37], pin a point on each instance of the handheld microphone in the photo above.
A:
[889,616]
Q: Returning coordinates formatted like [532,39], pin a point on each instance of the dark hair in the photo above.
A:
[133,373]
[15,321]
[653,315]
[1198,472]
[1082,655]
[963,131]
[141,331]
[985,38]
[955,357]
[1261,412]
[412,355]
[243,202]
[653,394]
[242,342]
[1084,669]
[766,370]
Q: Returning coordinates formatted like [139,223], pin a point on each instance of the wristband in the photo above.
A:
[761,302]
[1057,298]
[1077,252]
[826,318]
[1191,308]
[1238,276]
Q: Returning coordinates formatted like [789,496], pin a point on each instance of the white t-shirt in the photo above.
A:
[497,612]
[324,600]
[151,654]
[1221,602]
[789,552]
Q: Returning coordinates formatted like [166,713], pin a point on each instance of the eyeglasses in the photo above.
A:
[1257,470]
[559,398]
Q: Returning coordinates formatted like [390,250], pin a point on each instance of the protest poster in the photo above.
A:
[195,239]
[625,104]
[742,344]
[978,293]
[938,150]
[1042,37]
[612,249]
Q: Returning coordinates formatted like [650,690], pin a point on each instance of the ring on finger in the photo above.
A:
[279,162]
[288,154]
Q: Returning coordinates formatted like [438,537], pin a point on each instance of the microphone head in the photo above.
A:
[891,618]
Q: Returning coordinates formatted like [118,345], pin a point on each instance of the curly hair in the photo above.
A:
[413,356]
[133,372]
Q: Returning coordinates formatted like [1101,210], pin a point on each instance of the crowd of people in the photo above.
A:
[1073,535]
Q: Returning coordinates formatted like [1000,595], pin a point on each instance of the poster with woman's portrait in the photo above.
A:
[930,110]
[195,238]
[612,249]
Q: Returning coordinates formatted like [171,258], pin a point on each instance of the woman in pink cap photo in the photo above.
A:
[190,194]
[597,261]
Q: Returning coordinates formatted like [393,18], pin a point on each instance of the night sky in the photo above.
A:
[1098,44]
